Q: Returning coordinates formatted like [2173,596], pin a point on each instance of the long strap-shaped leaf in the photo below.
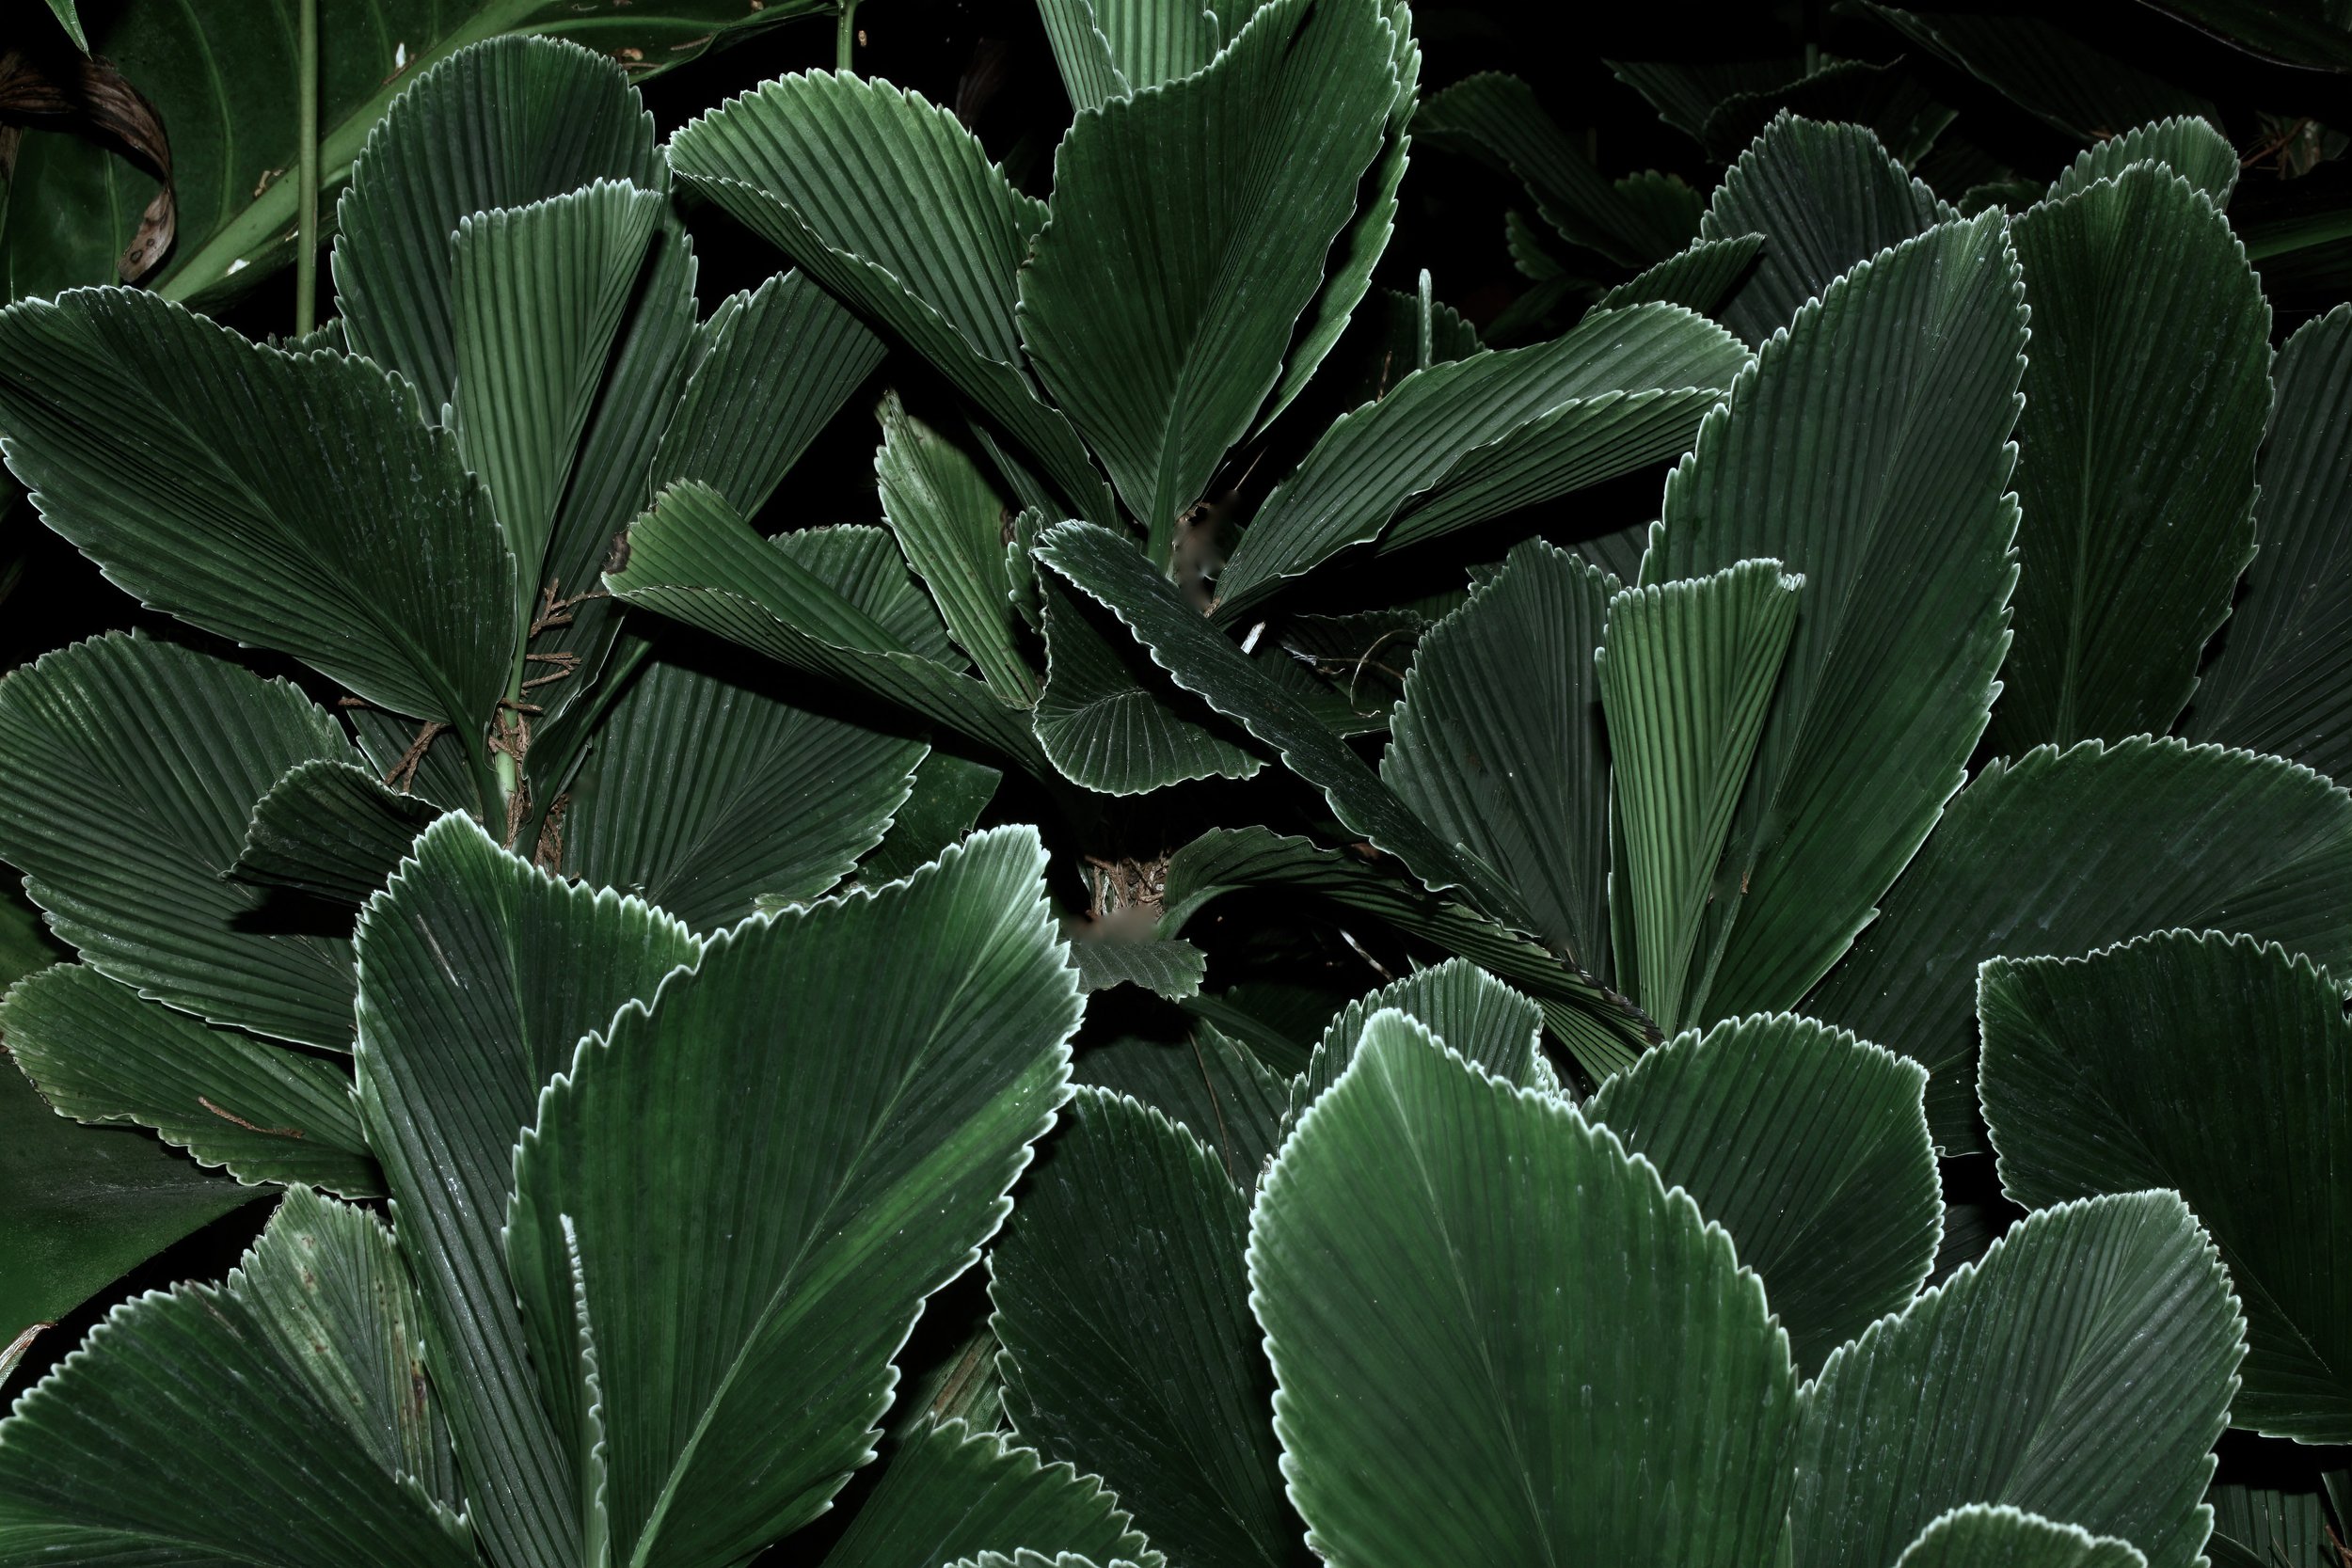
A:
[2145,398]
[2217,1066]
[2062,852]
[290,501]
[297,1423]
[1458,442]
[1188,235]
[1868,451]
[888,202]
[478,977]
[759,1213]
[1499,1338]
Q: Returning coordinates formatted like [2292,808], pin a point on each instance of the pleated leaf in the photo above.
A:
[2217,1066]
[1216,1088]
[2082,1370]
[1983,1535]
[759,1213]
[1114,48]
[1499,1338]
[1129,1348]
[478,977]
[1700,276]
[1823,196]
[329,828]
[1188,235]
[1686,674]
[2280,681]
[280,1421]
[706,796]
[1491,1026]
[289,502]
[889,202]
[128,770]
[1167,967]
[1496,742]
[2260,1527]
[1811,1148]
[1109,718]
[2190,146]
[950,523]
[1868,451]
[99,1053]
[505,123]
[944,800]
[2059,853]
[948,1491]
[1462,441]
[2145,398]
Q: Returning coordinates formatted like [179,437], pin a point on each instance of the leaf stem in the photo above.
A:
[306,233]
[845,36]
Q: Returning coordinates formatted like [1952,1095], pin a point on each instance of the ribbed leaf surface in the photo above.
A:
[1868,451]
[950,523]
[1823,196]
[479,976]
[504,124]
[1700,276]
[128,770]
[1993,1536]
[1468,439]
[1499,1338]
[2186,143]
[1492,1026]
[759,1213]
[1129,1348]
[1112,48]
[948,1491]
[99,1053]
[1686,675]
[2281,681]
[332,829]
[2062,852]
[2145,398]
[1108,718]
[1213,1087]
[2219,1067]
[289,1404]
[887,200]
[1811,1148]
[289,501]
[705,796]
[2082,1371]
[2259,1527]
[1170,968]
[1496,742]
[945,800]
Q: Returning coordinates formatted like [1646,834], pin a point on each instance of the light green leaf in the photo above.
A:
[99,1053]
[1687,673]
[1162,344]
[2145,398]
[289,502]
[2062,852]
[1491,1026]
[1868,451]
[1129,1347]
[2217,1065]
[731,1180]
[1111,721]
[2283,676]
[329,828]
[1984,1535]
[950,523]
[1811,1148]
[888,202]
[2188,145]
[1498,745]
[1823,196]
[478,977]
[296,1416]
[509,124]
[945,800]
[1167,968]
[2082,1371]
[1459,442]
[1213,1087]
[1498,1339]
[706,796]
[128,770]
[1700,276]
[948,1491]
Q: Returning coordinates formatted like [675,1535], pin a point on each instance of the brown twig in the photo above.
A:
[403,772]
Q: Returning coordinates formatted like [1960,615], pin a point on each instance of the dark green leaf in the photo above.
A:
[1700,276]
[946,799]
[950,524]
[70,21]
[1169,968]
[1984,1535]
[1493,1028]
[2188,146]
[948,1491]
[2264,1528]
[1216,1088]
[332,829]
[1112,720]
[2048,71]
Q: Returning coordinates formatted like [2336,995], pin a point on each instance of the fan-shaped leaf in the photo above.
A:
[2062,852]
[1498,1339]
[1491,1026]
[1110,721]
[1700,276]
[759,1213]
[2041,67]
[945,800]
[1811,1148]
[478,977]
[1188,236]
[128,770]
[950,523]
[1124,1316]
[1169,968]
[2186,143]
[2265,1529]
[1213,1087]
[1990,1536]
[2218,1066]
[1867,450]
[948,1491]
[291,1403]
[329,828]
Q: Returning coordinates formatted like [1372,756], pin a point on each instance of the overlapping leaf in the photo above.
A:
[945,800]
[1168,968]
[1110,721]
[1983,1535]
[329,828]
[1701,275]
[949,1491]
[2188,145]
[1491,1026]
[949,522]
[1213,1086]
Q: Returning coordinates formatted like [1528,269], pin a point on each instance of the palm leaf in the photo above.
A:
[1167,967]
[1487,1023]
[331,829]
[945,800]
[2188,145]
[1111,721]
[949,1491]
[1700,276]
[1216,1088]
[950,523]
[1991,1536]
